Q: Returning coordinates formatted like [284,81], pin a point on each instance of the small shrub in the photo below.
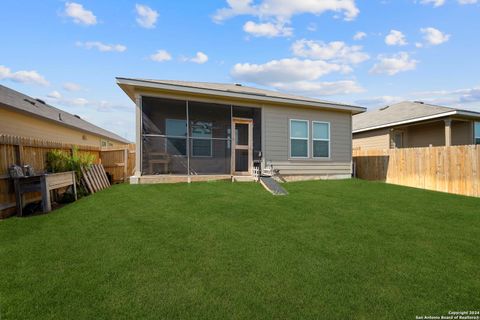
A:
[62,161]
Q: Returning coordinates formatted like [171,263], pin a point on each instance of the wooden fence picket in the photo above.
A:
[454,169]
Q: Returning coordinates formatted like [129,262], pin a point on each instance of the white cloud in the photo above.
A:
[285,70]
[467,1]
[315,88]
[79,102]
[102,47]
[268,29]
[160,56]
[395,38]
[468,98]
[436,3]
[336,51]
[54,95]
[146,16]
[378,101]
[199,58]
[283,10]
[79,14]
[394,64]
[23,76]
[434,36]
[56,98]
[359,35]
[297,76]
[71,86]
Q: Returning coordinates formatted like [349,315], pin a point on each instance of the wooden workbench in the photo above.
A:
[43,183]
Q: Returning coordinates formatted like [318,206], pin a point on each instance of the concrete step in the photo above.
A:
[243,178]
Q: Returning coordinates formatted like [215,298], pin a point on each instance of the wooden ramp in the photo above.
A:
[273,186]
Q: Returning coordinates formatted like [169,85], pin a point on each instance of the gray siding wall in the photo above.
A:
[276,141]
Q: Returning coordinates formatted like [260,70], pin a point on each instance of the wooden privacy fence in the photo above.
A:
[119,163]
[453,169]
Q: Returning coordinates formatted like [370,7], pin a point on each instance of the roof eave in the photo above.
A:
[126,83]
[464,113]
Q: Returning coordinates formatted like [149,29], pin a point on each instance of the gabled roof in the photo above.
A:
[18,101]
[228,90]
[404,113]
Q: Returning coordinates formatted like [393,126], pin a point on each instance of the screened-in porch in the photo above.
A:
[192,138]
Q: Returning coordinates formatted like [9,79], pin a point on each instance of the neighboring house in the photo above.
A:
[24,116]
[184,132]
[415,124]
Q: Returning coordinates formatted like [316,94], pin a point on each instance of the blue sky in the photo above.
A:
[369,53]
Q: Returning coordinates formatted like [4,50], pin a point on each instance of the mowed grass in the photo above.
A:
[329,250]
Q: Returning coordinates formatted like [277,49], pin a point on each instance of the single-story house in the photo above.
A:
[24,116]
[415,124]
[184,132]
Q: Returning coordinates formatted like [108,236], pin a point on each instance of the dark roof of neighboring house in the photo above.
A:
[18,101]
[403,113]
[232,90]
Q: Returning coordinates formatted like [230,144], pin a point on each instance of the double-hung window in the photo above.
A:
[299,137]
[201,139]
[176,140]
[321,139]
[477,132]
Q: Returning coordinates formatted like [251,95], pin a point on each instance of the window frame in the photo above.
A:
[296,138]
[329,139]
[476,135]
[202,138]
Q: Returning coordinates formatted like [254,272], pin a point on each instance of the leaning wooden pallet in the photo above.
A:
[95,178]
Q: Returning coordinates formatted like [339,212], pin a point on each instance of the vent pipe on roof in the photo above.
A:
[60,117]
[77,116]
[238,84]
[40,100]
[419,102]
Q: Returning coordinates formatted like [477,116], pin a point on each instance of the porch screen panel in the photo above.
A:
[164,140]
[210,141]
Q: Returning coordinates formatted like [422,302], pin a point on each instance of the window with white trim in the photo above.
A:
[299,137]
[477,132]
[201,139]
[321,139]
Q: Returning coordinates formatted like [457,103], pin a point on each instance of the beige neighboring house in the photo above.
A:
[415,124]
[184,132]
[24,116]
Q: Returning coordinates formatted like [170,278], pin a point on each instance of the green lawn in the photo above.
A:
[329,250]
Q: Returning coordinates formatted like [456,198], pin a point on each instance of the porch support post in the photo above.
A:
[232,139]
[448,132]
[138,135]
[188,142]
